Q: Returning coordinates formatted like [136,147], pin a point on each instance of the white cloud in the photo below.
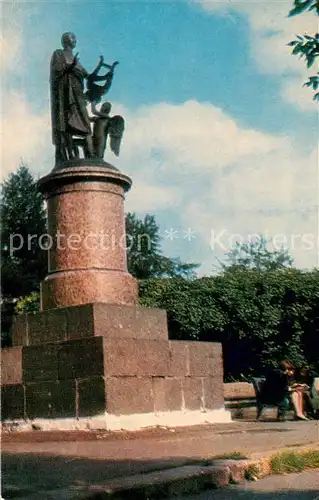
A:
[271,30]
[146,197]
[194,136]
[227,178]
[10,45]
[25,135]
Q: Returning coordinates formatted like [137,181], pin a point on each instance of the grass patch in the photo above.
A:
[236,455]
[294,462]
[252,473]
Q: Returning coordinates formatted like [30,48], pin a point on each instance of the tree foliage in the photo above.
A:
[28,304]
[23,216]
[144,256]
[306,46]
[257,255]
[260,317]
[301,6]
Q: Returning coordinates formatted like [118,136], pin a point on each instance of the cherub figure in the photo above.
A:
[95,92]
[103,126]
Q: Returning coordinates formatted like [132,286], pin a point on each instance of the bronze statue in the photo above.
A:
[104,126]
[71,124]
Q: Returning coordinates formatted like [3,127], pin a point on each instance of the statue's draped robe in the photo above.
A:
[68,105]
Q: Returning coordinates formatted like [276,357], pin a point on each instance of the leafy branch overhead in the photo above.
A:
[306,46]
[301,6]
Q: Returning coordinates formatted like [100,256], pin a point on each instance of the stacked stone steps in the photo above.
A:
[94,359]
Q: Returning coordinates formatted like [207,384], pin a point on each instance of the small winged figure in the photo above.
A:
[105,125]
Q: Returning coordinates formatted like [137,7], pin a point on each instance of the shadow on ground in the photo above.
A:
[229,494]
[29,473]
[297,486]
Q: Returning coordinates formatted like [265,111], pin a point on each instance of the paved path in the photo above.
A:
[40,461]
[303,486]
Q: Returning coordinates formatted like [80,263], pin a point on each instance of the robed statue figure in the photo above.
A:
[71,124]
[69,115]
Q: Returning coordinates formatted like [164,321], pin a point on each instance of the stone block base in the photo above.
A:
[90,320]
[114,361]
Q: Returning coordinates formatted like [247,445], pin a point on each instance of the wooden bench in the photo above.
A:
[241,401]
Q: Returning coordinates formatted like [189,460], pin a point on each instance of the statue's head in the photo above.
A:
[106,107]
[68,40]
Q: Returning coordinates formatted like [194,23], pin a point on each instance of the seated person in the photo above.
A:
[297,390]
[304,381]
[278,389]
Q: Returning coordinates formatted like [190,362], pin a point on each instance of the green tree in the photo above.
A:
[23,262]
[306,46]
[257,255]
[260,317]
[144,256]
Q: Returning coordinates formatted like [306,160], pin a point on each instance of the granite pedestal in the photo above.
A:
[93,357]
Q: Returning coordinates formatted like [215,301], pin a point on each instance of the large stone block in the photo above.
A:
[130,322]
[12,402]
[193,393]
[136,357]
[20,330]
[47,326]
[125,395]
[39,399]
[40,362]
[239,390]
[178,358]
[11,366]
[91,396]
[51,399]
[80,358]
[120,358]
[89,320]
[167,394]
[64,399]
[43,327]
[80,321]
[37,328]
[213,392]
[205,359]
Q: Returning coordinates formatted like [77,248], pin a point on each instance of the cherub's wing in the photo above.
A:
[115,132]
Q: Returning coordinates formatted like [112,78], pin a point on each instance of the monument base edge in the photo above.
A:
[132,422]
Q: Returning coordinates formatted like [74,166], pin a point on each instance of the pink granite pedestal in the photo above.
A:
[92,356]
[86,227]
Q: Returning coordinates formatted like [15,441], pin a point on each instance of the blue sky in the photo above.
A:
[220,134]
